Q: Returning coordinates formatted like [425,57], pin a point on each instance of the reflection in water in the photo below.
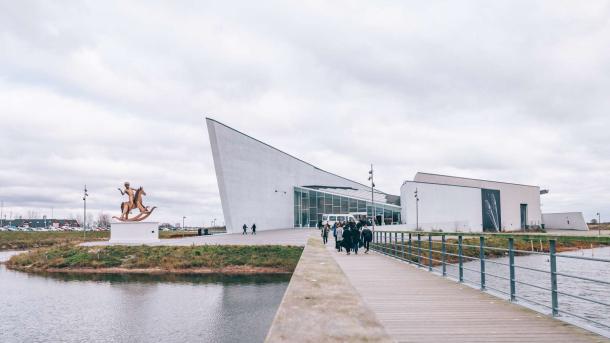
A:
[137,308]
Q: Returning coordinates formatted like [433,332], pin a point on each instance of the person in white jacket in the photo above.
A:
[339,238]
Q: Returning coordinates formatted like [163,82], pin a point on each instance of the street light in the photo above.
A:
[416,210]
[599,224]
[85,211]
[183,218]
[373,212]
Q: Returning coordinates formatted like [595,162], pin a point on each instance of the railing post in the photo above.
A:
[511,264]
[402,244]
[410,248]
[396,244]
[385,242]
[460,260]
[429,252]
[419,249]
[482,258]
[553,258]
[444,256]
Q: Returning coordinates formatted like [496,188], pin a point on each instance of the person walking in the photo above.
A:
[367,237]
[347,239]
[253,228]
[334,228]
[325,230]
[355,239]
[339,231]
[245,227]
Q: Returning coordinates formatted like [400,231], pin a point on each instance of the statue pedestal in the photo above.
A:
[134,232]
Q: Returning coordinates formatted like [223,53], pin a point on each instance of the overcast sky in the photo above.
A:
[102,92]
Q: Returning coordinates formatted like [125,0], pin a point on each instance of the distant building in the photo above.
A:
[261,184]
[264,185]
[451,203]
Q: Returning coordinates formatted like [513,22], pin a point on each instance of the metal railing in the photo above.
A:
[409,246]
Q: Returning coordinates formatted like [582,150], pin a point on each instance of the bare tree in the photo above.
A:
[103,220]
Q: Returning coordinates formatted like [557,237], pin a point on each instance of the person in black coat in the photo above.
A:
[245,227]
[254,229]
[367,237]
[355,239]
[347,239]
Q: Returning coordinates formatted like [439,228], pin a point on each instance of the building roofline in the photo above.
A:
[569,212]
[289,155]
[469,178]
[440,184]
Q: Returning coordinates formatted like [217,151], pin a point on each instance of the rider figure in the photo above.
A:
[130,193]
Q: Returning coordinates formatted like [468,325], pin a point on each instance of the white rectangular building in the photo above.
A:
[450,203]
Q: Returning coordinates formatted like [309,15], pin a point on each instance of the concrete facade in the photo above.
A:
[565,221]
[450,202]
[256,181]
[442,207]
[257,184]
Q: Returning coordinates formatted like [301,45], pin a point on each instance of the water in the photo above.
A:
[137,308]
[582,268]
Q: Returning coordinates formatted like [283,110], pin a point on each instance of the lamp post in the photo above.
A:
[85,195]
[416,210]
[373,212]
[183,218]
[599,224]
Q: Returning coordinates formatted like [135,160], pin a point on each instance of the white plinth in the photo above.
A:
[134,232]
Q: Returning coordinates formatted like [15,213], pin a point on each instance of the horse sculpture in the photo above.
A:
[135,201]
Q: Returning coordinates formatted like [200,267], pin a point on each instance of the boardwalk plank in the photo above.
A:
[417,306]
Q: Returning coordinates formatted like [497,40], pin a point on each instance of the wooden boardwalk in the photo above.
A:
[417,306]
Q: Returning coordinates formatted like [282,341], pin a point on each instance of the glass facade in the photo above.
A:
[309,205]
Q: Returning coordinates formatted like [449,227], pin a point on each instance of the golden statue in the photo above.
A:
[134,201]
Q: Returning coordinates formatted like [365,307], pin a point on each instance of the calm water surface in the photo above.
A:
[136,308]
[582,288]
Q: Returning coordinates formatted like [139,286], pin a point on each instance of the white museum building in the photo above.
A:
[261,184]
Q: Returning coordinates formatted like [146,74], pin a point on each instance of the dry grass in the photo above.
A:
[215,257]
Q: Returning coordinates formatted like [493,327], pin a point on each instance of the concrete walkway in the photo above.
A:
[417,306]
[320,305]
[268,237]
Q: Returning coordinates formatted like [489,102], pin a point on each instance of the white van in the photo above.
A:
[331,219]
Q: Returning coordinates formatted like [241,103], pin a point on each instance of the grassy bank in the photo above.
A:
[159,259]
[27,240]
[17,240]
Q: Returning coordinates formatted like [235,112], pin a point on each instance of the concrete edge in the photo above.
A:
[321,305]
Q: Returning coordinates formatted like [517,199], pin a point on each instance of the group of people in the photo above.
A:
[349,236]
[245,228]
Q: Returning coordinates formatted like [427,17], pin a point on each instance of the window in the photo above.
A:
[341,218]
[324,217]
[344,206]
[361,206]
[328,203]
[353,205]
[333,218]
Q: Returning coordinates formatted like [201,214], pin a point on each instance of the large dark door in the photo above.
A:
[490,201]
[523,216]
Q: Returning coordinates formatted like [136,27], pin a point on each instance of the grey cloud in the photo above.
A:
[98,93]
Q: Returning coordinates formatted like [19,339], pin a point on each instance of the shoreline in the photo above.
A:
[229,270]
